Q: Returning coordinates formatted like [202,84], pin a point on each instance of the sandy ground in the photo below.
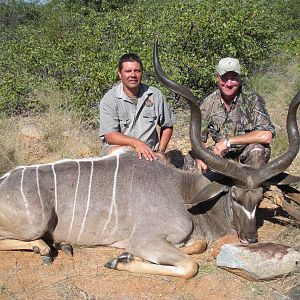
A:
[83,276]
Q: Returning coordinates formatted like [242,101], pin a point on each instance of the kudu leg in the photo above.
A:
[37,246]
[65,247]
[167,261]
[197,247]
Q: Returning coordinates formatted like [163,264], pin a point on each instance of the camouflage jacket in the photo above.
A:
[248,112]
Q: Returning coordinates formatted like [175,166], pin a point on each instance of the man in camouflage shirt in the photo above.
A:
[236,119]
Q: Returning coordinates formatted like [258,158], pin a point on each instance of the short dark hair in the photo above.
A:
[129,57]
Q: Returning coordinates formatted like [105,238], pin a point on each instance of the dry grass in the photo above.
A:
[43,139]
[48,137]
[278,87]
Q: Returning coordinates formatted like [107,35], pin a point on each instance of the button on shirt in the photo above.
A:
[120,114]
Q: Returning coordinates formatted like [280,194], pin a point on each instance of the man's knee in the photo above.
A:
[106,150]
[192,164]
[255,155]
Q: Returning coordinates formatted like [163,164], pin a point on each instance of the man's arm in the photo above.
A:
[263,130]
[110,129]
[166,121]
[165,136]
[120,139]
[252,137]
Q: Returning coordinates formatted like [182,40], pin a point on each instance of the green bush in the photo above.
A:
[79,48]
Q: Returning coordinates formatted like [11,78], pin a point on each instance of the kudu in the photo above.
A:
[124,202]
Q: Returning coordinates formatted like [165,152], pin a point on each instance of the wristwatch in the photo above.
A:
[227,143]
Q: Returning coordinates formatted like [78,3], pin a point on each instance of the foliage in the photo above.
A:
[16,12]
[98,5]
[278,86]
[77,43]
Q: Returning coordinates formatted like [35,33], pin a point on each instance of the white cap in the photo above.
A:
[228,64]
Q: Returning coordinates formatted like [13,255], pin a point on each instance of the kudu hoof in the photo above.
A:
[67,249]
[36,250]
[125,257]
[122,258]
[111,264]
[57,245]
[47,260]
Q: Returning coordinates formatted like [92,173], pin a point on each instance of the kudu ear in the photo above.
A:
[283,179]
[210,192]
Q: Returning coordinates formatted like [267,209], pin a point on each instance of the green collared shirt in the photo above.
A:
[118,113]
[247,113]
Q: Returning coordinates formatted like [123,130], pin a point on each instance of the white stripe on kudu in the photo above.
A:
[115,153]
[4,176]
[113,200]
[114,191]
[23,195]
[250,215]
[88,200]
[75,200]
[39,192]
[55,186]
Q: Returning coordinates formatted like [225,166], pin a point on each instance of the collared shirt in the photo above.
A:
[118,113]
[247,113]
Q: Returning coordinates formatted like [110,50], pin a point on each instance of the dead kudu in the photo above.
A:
[124,202]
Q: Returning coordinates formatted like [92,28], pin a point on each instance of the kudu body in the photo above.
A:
[124,202]
[116,200]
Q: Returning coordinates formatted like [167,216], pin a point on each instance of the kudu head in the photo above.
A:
[247,191]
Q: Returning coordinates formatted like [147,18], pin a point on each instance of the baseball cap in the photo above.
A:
[228,64]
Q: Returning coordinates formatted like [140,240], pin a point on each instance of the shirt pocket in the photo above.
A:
[149,115]
[124,120]
[244,126]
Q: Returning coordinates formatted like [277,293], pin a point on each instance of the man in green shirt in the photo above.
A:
[236,119]
[131,111]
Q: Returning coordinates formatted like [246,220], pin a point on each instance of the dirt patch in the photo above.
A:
[83,276]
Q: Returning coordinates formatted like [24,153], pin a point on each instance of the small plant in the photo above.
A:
[207,269]
[257,289]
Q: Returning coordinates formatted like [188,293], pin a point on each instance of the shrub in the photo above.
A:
[79,48]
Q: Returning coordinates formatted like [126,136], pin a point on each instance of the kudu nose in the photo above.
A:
[248,240]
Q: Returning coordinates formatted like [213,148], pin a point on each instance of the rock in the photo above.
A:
[261,261]
[30,132]
[226,239]
[294,292]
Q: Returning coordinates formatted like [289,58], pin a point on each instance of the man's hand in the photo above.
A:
[161,156]
[120,139]
[144,151]
[252,137]
[220,148]
[201,166]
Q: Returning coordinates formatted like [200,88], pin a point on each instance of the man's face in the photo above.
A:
[229,84]
[131,75]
